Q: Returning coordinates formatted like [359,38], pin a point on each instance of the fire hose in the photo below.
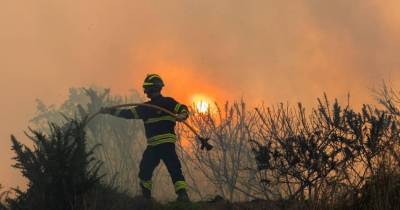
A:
[203,140]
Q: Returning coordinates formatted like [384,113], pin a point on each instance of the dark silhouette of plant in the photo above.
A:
[230,165]
[316,156]
[3,197]
[380,191]
[389,98]
[59,168]
[122,141]
[326,155]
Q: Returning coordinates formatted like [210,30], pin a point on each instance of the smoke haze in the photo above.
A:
[264,50]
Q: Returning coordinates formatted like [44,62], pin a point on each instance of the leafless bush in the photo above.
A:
[381,191]
[389,98]
[331,151]
[230,166]
[283,152]
[121,140]
[279,152]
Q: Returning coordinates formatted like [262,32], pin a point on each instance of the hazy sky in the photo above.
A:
[266,50]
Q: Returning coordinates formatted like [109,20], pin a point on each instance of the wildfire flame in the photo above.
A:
[202,104]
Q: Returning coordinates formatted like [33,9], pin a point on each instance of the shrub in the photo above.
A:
[381,191]
[3,196]
[59,168]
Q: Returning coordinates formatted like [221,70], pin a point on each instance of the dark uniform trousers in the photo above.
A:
[161,138]
[151,158]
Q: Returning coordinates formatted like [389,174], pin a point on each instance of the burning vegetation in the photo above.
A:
[282,157]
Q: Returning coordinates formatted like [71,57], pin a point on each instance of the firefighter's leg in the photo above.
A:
[173,164]
[149,162]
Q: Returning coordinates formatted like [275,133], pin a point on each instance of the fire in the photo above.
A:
[202,104]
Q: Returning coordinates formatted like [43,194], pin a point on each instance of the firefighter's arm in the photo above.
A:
[182,112]
[130,113]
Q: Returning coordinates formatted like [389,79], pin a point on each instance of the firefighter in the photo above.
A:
[160,134]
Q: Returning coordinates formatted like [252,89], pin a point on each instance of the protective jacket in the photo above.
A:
[159,126]
[160,132]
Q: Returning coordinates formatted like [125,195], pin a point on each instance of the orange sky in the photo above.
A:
[264,50]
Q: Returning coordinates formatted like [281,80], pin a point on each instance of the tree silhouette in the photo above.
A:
[59,168]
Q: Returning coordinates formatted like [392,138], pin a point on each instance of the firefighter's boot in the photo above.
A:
[182,196]
[146,190]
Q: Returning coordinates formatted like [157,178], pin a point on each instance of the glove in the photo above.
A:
[182,117]
[107,110]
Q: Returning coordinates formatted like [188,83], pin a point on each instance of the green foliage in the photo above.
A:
[59,168]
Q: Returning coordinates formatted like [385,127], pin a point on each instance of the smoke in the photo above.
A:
[269,51]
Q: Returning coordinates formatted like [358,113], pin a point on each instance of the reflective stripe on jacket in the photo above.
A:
[159,126]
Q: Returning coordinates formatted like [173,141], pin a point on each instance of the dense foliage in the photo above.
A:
[60,169]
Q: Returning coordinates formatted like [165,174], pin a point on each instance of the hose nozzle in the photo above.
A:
[204,143]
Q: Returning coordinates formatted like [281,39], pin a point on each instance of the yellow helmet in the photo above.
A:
[153,80]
